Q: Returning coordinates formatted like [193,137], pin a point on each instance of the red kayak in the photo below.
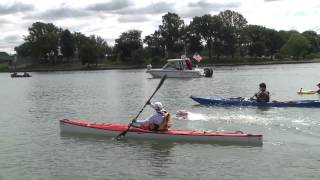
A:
[112,130]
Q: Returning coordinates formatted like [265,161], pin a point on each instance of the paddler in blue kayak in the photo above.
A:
[159,121]
[263,95]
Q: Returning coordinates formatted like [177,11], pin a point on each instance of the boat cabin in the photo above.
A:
[178,64]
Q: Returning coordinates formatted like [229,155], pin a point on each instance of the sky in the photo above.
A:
[109,18]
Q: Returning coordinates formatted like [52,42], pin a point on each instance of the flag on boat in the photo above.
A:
[197,57]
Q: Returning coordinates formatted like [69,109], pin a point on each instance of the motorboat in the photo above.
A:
[179,68]
[16,75]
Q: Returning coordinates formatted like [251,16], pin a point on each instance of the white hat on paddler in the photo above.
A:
[157,106]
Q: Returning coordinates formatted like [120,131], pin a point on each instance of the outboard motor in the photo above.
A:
[208,72]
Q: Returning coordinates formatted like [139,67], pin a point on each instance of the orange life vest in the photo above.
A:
[166,121]
[162,127]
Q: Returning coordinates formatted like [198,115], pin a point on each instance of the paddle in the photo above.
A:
[158,87]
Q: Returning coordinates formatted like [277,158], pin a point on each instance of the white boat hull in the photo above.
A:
[158,73]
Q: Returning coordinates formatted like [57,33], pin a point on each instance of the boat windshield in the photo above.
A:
[177,65]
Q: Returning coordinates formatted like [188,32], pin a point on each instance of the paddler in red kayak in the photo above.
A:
[263,95]
[159,121]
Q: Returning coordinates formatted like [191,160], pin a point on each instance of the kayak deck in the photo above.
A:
[109,129]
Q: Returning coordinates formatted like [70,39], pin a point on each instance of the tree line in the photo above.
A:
[226,34]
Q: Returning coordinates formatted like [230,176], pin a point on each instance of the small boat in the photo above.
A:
[179,68]
[74,126]
[249,102]
[306,92]
[16,75]
[301,92]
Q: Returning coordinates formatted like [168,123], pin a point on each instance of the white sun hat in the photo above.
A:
[157,106]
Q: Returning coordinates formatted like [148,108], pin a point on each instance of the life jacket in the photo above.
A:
[263,96]
[166,121]
[162,127]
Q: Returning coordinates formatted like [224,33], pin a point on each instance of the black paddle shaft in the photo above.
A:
[158,87]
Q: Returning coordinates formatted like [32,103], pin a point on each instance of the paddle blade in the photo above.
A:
[121,135]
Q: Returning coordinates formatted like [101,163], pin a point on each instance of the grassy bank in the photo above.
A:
[73,67]
[118,65]
[253,61]
[4,67]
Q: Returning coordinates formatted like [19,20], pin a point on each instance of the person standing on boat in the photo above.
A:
[189,64]
[159,121]
[263,95]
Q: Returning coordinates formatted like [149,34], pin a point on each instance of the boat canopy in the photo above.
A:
[178,64]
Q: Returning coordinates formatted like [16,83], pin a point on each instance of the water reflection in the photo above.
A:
[158,155]
[261,109]
[154,156]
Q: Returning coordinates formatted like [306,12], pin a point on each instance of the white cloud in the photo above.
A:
[15,7]
[58,13]
[132,18]
[110,6]
[203,7]
[109,18]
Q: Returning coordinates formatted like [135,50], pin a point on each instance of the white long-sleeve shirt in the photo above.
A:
[156,118]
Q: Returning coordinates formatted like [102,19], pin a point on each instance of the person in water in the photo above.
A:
[159,121]
[263,95]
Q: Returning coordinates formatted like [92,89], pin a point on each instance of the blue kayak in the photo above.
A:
[248,102]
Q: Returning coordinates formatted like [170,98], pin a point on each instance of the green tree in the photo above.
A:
[297,46]
[101,46]
[273,42]
[93,49]
[209,28]
[233,23]
[171,31]
[127,43]
[67,44]
[87,52]
[193,40]
[155,45]
[24,50]
[44,40]
[285,35]
[314,40]
[79,40]
[256,39]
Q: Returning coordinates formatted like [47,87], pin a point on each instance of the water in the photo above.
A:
[32,148]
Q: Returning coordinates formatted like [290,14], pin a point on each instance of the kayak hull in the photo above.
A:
[74,126]
[307,92]
[247,102]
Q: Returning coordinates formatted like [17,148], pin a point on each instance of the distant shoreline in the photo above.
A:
[77,67]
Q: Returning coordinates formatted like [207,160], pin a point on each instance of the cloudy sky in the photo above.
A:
[109,18]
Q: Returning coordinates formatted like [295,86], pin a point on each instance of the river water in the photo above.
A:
[31,146]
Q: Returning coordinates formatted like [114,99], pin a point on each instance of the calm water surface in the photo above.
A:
[32,148]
